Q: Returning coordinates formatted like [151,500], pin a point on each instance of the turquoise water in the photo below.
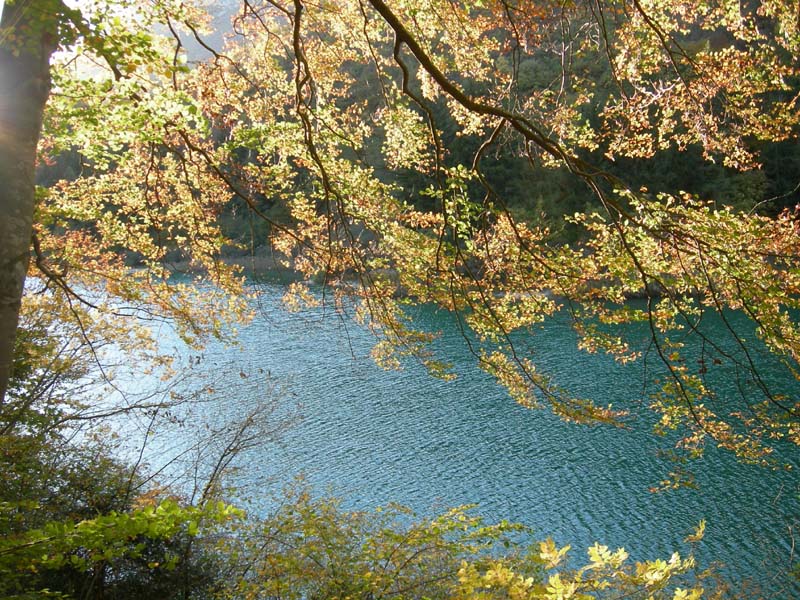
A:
[373,436]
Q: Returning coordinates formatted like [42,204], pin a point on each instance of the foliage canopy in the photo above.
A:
[368,139]
[391,154]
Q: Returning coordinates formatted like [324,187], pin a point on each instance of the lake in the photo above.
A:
[373,436]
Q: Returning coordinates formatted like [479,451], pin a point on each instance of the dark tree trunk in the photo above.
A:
[27,39]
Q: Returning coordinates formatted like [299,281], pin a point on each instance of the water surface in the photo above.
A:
[373,436]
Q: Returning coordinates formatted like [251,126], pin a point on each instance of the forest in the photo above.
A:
[628,165]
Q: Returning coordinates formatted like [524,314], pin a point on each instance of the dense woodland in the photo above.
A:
[504,160]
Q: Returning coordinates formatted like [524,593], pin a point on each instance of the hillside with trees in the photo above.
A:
[504,161]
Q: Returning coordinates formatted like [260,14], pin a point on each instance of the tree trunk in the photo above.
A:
[27,39]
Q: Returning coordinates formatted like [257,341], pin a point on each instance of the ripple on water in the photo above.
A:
[377,436]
